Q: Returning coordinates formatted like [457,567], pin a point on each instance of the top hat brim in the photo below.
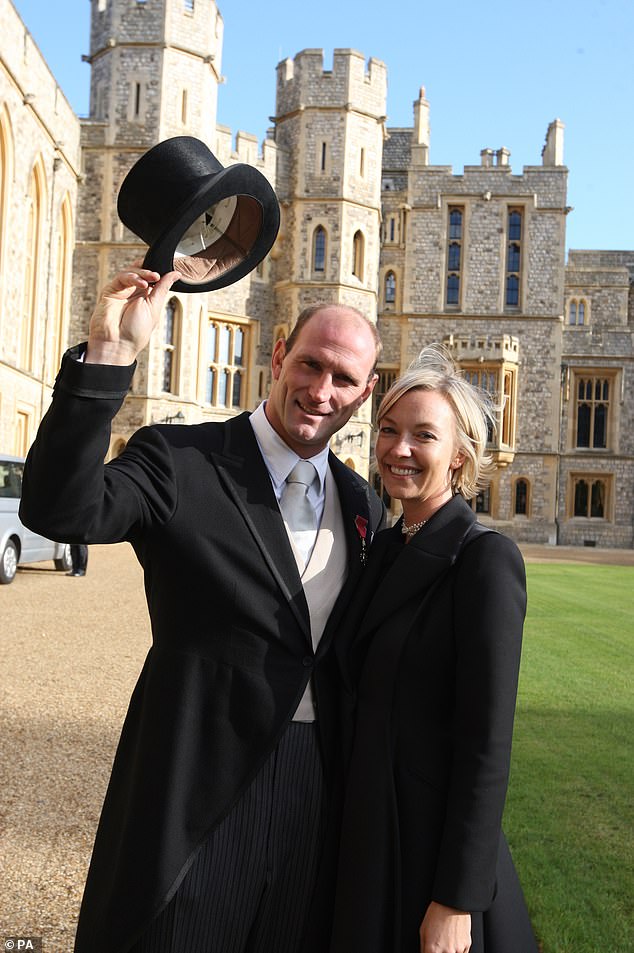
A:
[237,180]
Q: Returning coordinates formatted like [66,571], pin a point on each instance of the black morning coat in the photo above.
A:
[231,653]
[432,680]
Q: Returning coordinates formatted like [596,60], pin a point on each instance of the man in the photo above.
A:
[212,829]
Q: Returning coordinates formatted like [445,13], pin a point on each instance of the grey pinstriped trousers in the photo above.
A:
[250,885]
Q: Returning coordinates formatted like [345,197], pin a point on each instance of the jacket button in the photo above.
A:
[308,661]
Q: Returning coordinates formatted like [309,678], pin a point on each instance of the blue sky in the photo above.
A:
[495,75]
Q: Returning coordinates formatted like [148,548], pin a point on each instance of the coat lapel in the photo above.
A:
[429,554]
[353,498]
[244,474]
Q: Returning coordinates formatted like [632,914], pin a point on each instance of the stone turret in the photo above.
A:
[329,130]
[155,70]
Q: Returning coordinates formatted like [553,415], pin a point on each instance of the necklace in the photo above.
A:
[410,531]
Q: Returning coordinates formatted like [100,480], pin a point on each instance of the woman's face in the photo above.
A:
[416,450]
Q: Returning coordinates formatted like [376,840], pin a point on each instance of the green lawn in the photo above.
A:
[569,816]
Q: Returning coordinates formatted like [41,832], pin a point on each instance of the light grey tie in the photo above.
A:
[298,511]
[294,503]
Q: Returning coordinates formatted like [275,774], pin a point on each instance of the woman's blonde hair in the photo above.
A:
[435,369]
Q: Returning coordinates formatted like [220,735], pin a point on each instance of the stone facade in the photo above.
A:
[598,348]
[39,173]
[473,259]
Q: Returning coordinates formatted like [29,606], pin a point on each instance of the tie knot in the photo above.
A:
[303,472]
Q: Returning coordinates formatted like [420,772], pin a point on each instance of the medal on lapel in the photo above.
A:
[362,529]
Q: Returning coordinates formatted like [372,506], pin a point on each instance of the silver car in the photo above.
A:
[18,545]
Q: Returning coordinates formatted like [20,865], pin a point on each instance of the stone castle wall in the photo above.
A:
[155,71]
[40,135]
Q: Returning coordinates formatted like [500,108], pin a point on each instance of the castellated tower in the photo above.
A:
[329,131]
[155,71]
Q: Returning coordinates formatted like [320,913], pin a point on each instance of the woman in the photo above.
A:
[433,671]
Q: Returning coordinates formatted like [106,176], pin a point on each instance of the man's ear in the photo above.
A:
[279,353]
[369,387]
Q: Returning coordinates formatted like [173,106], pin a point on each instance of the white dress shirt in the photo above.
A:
[280,460]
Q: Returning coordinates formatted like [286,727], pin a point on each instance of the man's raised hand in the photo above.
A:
[128,310]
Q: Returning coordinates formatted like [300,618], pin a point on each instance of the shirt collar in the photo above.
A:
[278,456]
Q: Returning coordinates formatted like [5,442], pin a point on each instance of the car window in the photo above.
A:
[11,479]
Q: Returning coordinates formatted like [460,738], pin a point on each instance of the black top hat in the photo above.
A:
[213,225]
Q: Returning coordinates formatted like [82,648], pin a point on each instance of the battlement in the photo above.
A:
[163,22]
[245,149]
[302,82]
[500,347]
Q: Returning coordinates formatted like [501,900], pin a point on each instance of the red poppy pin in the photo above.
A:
[362,529]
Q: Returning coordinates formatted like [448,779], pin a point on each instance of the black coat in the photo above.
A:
[231,653]
[433,671]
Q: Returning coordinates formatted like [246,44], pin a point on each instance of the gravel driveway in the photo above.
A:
[71,652]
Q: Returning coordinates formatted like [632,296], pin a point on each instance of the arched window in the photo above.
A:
[515,225]
[514,257]
[357,255]
[319,249]
[455,223]
[34,211]
[227,364]
[577,312]
[390,288]
[171,344]
[454,256]
[521,497]
[63,257]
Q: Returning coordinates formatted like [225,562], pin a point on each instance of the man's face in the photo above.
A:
[322,380]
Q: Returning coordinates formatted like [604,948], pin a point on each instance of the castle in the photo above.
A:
[475,260]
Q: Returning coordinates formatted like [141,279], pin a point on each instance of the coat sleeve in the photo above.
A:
[68,494]
[489,601]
